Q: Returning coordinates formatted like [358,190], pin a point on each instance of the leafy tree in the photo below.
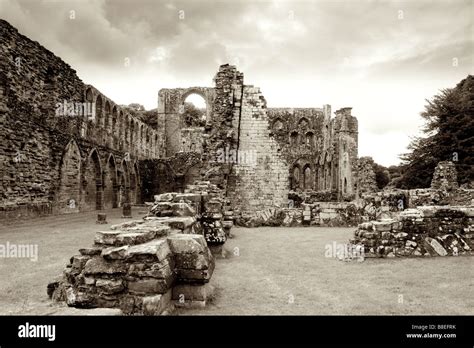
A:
[449,135]
[381,175]
[136,107]
[193,117]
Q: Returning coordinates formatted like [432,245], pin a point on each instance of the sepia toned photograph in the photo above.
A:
[237,158]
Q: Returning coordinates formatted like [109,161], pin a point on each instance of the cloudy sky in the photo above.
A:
[383,58]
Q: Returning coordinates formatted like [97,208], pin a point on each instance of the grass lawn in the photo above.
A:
[276,271]
[23,282]
[284,271]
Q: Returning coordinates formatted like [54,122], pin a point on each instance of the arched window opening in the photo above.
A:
[194,110]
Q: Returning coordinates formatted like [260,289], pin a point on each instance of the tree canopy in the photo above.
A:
[449,136]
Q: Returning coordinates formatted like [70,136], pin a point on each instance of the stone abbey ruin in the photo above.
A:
[101,156]
[67,148]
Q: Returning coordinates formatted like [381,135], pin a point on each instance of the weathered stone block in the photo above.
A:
[163,269]
[78,263]
[437,247]
[192,261]
[90,251]
[187,243]
[175,222]
[400,235]
[97,265]
[133,238]
[119,253]
[106,237]
[192,292]
[192,197]
[158,249]
[156,305]
[213,206]
[126,224]
[109,286]
[149,286]
[382,226]
[165,197]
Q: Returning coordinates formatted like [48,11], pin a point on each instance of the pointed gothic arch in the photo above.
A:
[110,183]
[69,192]
[91,193]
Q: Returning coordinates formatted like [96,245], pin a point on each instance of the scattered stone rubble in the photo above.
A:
[314,214]
[445,176]
[366,175]
[425,231]
[147,266]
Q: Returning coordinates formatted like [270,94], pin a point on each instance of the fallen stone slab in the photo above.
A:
[175,222]
[165,197]
[106,237]
[126,224]
[192,197]
[158,249]
[68,311]
[98,265]
[115,253]
[440,250]
[109,286]
[162,270]
[187,243]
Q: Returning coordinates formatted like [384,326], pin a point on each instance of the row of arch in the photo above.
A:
[307,140]
[118,129]
[313,177]
[303,124]
[88,182]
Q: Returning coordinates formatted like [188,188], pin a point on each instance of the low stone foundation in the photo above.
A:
[372,206]
[425,231]
[135,267]
[314,214]
[148,266]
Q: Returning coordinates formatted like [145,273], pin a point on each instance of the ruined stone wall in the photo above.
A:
[366,175]
[65,147]
[445,176]
[345,131]
[257,154]
[176,134]
[170,174]
[262,174]
[301,136]
[425,231]
[321,151]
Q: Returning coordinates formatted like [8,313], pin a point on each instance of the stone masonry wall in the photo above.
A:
[263,181]
[425,231]
[366,175]
[65,147]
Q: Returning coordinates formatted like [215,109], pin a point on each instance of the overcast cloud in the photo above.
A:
[383,58]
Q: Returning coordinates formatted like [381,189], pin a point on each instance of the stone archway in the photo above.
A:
[171,108]
[307,178]
[91,194]
[125,183]
[69,192]
[134,185]
[110,184]
[201,92]
[295,177]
